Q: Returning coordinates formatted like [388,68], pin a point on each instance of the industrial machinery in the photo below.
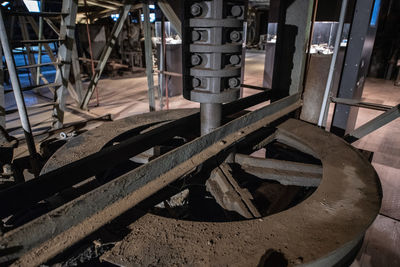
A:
[220,186]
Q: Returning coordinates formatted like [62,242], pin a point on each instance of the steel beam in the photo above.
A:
[356,65]
[19,98]
[284,172]
[149,57]
[290,53]
[52,182]
[2,99]
[49,234]
[170,14]
[67,33]
[123,14]
[373,124]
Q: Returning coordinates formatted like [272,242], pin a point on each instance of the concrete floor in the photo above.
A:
[128,96]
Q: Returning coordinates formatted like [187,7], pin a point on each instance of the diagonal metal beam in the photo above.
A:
[44,237]
[123,14]
[171,16]
[373,124]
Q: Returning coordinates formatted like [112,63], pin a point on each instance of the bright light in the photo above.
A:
[32,5]
[152,6]
[5,3]
[115,17]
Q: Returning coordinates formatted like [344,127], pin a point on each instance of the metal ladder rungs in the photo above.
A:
[37,14]
[38,65]
[22,42]
[36,87]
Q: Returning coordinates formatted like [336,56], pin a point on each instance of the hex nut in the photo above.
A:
[195,10]
[234,59]
[196,82]
[233,82]
[236,11]
[235,36]
[195,59]
[196,36]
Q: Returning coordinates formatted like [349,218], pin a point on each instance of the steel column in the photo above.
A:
[149,56]
[356,64]
[19,98]
[292,42]
[123,14]
[67,33]
[2,100]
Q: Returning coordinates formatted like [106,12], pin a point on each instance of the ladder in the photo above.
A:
[62,63]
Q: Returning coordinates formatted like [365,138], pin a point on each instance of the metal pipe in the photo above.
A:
[91,52]
[162,63]
[40,35]
[210,117]
[149,56]
[19,98]
[325,105]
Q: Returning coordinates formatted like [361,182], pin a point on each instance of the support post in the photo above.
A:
[123,14]
[2,100]
[19,98]
[356,64]
[292,41]
[40,35]
[67,32]
[149,56]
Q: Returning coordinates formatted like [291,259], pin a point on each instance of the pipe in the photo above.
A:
[210,117]
[325,105]
[19,98]
[40,35]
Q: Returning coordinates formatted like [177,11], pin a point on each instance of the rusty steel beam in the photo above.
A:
[48,235]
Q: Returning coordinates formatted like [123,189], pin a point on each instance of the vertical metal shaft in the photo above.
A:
[210,117]
[40,35]
[325,101]
[149,56]
[19,98]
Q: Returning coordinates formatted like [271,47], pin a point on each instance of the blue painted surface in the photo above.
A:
[375,13]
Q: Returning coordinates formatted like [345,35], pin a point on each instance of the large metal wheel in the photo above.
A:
[322,229]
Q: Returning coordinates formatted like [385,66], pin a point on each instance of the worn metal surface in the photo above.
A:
[284,172]
[374,124]
[106,54]
[89,212]
[319,231]
[212,48]
[67,33]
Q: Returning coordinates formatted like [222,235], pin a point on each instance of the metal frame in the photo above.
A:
[129,189]
[67,33]
[106,54]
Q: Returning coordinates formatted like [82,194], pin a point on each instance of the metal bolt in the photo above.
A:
[196,82]
[195,10]
[236,11]
[235,36]
[233,82]
[234,59]
[196,36]
[7,169]
[196,60]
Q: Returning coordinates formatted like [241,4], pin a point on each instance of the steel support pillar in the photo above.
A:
[356,64]
[67,33]
[149,56]
[2,100]
[212,55]
[291,46]
[19,98]
[123,14]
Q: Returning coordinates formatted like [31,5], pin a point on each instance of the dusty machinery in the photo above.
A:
[219,186]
